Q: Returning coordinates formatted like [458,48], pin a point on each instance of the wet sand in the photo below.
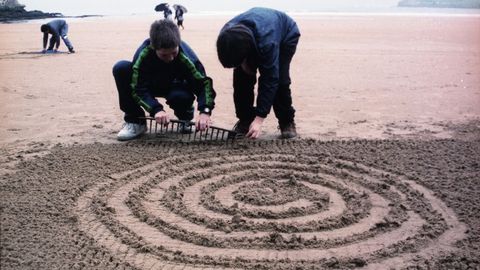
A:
[384,174]
[353,77]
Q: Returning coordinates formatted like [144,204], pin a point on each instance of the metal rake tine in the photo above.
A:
[181,133]
[190,132]
[177,125]
[230,136]
[206,134]
[234,137]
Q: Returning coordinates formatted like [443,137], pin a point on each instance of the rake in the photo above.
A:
[184,131]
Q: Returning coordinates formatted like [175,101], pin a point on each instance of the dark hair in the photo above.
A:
[234,44]
[44,28]
[164,34]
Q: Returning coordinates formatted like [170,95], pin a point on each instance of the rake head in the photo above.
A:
[185,131]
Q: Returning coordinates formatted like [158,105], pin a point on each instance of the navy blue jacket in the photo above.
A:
[57,28]
[151,75]
[271,29]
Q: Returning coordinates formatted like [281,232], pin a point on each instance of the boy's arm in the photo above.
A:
[55,37]
[45,40]
[141,84]
[269,68]
[203,84]
[54,41]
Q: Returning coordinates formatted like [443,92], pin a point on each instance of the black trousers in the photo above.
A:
[179,97]
[244,86]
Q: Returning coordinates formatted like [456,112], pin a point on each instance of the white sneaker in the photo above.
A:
[131,131]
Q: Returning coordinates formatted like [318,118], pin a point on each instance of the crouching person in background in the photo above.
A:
[58,29]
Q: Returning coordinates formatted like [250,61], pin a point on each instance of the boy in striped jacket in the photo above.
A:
[163,66]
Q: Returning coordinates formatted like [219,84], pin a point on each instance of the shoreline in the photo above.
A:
[305,16]
[393,12]
[27,19]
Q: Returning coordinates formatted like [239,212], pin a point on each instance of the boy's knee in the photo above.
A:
[182,103]
[181,98]
[122,68]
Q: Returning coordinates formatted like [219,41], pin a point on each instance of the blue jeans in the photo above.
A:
[63,35]
[179,97]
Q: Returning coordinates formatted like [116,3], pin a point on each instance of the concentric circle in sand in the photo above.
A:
[222,208]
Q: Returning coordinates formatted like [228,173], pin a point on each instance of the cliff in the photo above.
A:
[11,10]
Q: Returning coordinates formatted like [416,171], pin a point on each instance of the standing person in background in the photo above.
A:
[167,13]
[58,29]
[263,39]
[179,17]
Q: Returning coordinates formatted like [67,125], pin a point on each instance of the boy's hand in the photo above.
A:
[162,118]
[255,128]
[203,122]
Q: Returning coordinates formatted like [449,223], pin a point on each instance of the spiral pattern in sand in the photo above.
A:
[274,209]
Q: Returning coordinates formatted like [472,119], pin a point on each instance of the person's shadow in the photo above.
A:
[44,52]
[31,55]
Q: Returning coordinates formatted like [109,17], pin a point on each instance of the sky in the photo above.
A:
[126,7]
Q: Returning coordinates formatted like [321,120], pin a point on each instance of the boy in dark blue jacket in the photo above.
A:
[163,66]
[263,39]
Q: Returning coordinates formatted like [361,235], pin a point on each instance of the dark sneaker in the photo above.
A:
[186,127]
[241,128]
[288,130]
[71,50]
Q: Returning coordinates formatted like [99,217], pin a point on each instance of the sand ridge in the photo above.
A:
[118,209]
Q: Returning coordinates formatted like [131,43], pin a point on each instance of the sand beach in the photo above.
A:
[388,116]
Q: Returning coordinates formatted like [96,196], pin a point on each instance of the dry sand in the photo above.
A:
[385,174]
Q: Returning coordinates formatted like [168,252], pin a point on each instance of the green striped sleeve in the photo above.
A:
[197,75]
[136,70]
